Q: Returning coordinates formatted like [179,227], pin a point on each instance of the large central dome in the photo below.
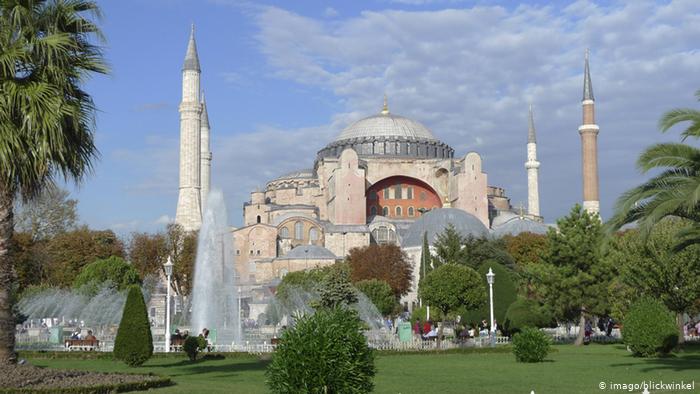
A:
[388,135]
[386,125]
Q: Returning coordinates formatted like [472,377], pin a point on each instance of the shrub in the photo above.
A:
[649,328]
[192,347]
[323,353]
[134,344]
[380,293]
[531,345]
[525,313]
[504,294]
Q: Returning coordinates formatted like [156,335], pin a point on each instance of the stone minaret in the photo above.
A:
[589,145]
[532,165]
[189,207]
[205,154]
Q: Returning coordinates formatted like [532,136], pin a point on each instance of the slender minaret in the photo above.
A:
[589,145]
[189,207]
[532,166]
[205,154]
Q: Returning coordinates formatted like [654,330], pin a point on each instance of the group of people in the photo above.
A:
[692,328]
[77,334]
[426,330]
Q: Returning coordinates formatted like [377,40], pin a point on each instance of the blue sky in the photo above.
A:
[282,78]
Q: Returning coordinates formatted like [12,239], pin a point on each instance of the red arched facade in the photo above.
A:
[400,197]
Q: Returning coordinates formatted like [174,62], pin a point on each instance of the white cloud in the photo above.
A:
[164,219]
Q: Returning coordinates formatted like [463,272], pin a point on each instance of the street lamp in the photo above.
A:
[490,278]
[168,266]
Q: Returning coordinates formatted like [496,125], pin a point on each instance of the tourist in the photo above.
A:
[90,337]
[76,334]
[417,327]
[427,325]
[610,324]
[697,328]
[588,331]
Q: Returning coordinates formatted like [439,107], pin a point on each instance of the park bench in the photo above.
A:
[82,344]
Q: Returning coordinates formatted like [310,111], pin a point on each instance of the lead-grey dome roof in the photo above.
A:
[518,225]
[437,220]
[309,252]
[386,125]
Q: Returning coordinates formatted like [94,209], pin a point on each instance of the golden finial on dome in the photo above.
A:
[385,108]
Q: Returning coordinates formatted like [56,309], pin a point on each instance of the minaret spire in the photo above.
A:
[532,166]
[191,56]
[587,84]
[189,201]
[589,144]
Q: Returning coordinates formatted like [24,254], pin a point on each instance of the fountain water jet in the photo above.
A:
[214,293]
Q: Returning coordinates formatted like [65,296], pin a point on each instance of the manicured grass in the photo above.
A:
[568,370]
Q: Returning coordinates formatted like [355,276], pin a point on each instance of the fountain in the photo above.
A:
[214,293]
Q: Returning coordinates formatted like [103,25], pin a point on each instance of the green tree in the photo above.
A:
[387,263]
[452,286]
[573,279]
[380,293]
[134,343]
[426,259]
[449,247]
[650,267]
[27,261]
[46,118]
[504,294]
[114,270]
[306,281]
[335,289]
[48,214]
[673,191]
[182,248]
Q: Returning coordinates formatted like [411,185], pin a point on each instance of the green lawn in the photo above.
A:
[568,370]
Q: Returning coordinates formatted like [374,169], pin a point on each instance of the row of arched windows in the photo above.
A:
[397,211]
[299,232]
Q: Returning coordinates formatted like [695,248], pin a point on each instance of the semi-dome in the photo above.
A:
[518,225]
[386,125]
[437,220]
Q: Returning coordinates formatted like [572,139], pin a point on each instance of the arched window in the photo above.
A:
[258,219]
[284,232]
[410,211]
[398,212]
[298,230]
[385,211]
[313,234]
[372,210]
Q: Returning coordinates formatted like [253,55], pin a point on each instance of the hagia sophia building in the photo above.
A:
[384,179]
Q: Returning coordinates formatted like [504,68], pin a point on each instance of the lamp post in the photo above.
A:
[168,266]
[490,278]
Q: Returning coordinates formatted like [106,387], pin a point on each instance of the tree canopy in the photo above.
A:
[387,263]
[452,286]
[114,271]
[380,293]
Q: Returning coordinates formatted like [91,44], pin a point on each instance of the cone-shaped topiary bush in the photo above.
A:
[649,328]
[323,353]
[134,344]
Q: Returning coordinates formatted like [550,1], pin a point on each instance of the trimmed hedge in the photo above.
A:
[649,328]
[525,313]
[326,352]
[161,381]
[134,343]
[531,345]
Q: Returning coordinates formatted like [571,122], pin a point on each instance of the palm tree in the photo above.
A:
[46,119]
[675,191]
